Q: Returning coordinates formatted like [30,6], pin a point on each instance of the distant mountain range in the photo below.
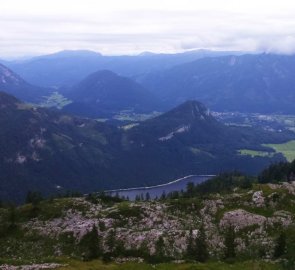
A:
[101,94]
[262,83]
[45,150]
[67,68]
[105,93]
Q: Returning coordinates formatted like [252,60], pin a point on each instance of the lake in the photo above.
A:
[157,191]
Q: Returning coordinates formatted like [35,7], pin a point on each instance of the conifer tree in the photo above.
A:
[12,217]
[90,245]
[190,251]
[102,226]
[120,248]
[160,248]
[280,245]
[190,189]
[34,198]
[147,196]
[229,243]
[201,248]
[111,241]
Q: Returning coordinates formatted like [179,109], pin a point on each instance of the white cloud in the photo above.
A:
[129,26]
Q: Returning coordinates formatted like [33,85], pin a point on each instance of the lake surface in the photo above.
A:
[157,191]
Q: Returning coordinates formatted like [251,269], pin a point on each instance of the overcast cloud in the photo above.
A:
[33,27]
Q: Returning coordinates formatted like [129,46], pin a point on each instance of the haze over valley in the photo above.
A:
[147,135]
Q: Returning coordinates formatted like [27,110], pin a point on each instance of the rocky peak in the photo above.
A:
[191,110]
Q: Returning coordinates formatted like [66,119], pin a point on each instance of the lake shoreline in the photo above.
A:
[157,190]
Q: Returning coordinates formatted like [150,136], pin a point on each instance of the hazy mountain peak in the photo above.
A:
[70,53]
[78,52]
[147,53]
[102,82]
[105,93]
[102,74]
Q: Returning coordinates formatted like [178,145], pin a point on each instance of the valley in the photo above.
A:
[270,122]
[90,155]
[147,135]
[123,139]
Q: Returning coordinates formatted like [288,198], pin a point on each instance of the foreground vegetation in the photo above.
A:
[98,265]
[229,222]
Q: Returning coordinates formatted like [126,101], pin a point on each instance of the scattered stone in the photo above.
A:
[240,219]
[258,199]
[31,267]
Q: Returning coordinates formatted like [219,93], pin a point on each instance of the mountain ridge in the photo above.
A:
[57,70]
[13,84]
[247,83]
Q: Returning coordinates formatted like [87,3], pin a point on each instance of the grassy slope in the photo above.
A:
[98,265]
[287,149]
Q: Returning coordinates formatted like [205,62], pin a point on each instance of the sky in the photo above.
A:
[114,27]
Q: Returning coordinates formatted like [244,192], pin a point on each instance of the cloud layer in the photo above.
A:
[34,27]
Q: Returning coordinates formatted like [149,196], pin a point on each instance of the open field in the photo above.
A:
[287,149]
